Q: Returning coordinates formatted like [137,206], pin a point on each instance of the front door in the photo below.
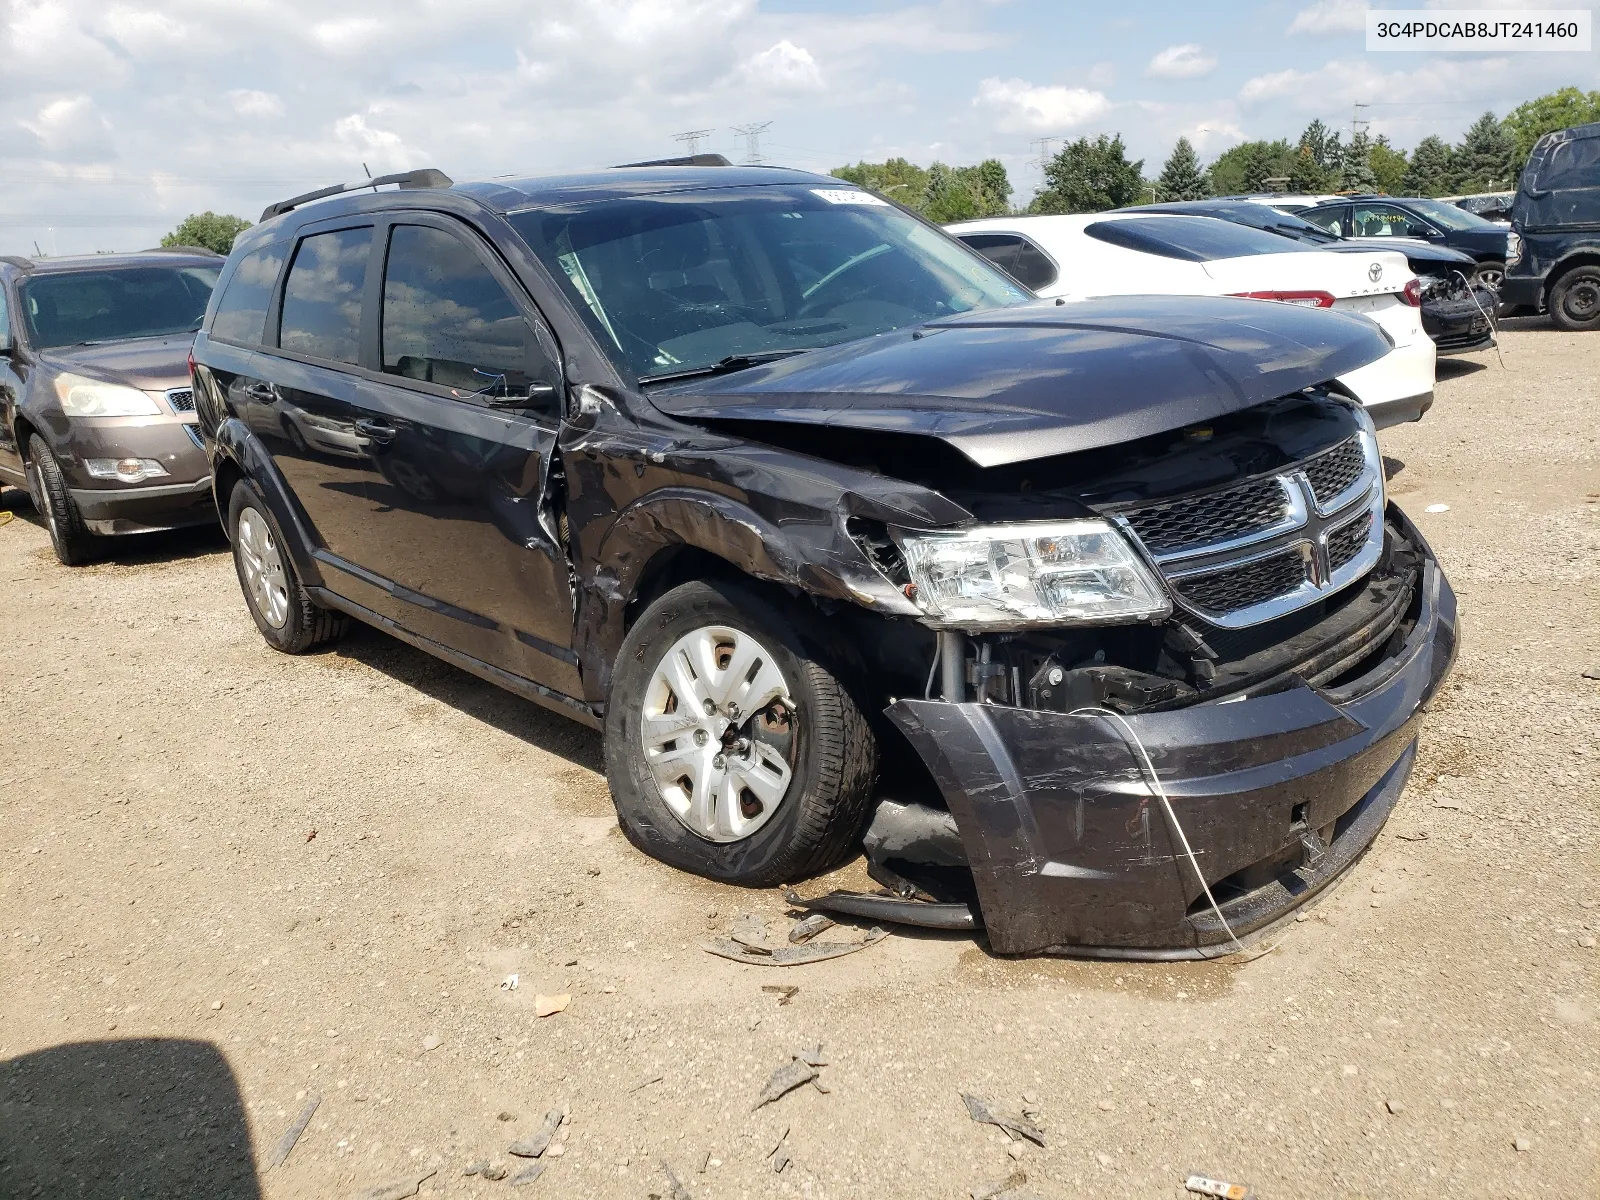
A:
[460,421]
[10,392]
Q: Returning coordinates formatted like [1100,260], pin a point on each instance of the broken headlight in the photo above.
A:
[1010,576]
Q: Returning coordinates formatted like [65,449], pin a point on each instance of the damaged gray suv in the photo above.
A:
[1091,621]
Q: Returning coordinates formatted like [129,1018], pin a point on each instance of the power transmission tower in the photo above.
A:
[1358,124]
[692,139]
[752,141]
[1042,145]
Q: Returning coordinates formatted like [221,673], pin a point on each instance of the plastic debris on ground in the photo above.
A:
[529,1173]
[291,1135]
[398,1190]
[548,1006]
[1009,1188]
[807,928]
[778,1156]
[509,983]
[676,1190]
[801,1069]
[784,991]
[537,1142]
[1206,1186]
[984,1113]
[1437,508]
[761,954]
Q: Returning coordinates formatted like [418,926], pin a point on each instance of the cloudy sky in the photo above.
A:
[118,118]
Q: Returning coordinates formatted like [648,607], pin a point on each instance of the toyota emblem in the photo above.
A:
[1375,272]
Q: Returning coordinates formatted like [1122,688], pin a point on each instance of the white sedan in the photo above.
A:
[1124,254]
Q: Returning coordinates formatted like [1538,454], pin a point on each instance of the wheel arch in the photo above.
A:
[1586,256]
[239,455]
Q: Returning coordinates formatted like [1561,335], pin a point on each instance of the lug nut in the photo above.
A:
[711,709]
[1056,675]
[719,762]
[701,737]
[733,711]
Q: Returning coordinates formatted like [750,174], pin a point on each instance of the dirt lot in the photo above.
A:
[231,879]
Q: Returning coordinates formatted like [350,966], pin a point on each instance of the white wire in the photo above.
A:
[1494,331]
[1153,782]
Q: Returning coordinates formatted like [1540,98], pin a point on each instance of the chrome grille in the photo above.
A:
[1333,474]
[1262,549]
[1218,517]
[1347,541]
[181,399]
[1251,583]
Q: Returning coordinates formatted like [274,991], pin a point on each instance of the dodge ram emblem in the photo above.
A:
[1375,272]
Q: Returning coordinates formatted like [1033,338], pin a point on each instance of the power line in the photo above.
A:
[1044,154]
[751,134]
[692,139]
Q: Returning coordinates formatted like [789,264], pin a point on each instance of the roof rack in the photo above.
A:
[206,250]
[690,160]
[426,177]
[26,264]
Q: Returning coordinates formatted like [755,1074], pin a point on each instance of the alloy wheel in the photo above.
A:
[720,733]
[262,565]
[1491,278]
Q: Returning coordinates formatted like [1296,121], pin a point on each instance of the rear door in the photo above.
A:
[301,398]
[461,409]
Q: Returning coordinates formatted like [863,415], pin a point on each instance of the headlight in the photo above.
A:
[82,397]
[1008,576]
[1513,248]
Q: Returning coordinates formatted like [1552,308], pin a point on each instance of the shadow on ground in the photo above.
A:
[130,550]
[540,727]
[134,1117]
[1459,368]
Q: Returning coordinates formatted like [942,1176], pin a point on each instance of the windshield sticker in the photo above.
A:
[848,196]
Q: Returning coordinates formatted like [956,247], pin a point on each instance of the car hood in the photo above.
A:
[1041,379]
[152,364]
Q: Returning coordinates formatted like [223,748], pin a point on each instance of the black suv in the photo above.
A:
[1418,217]
[774,482]
[1555,239]
[96,416]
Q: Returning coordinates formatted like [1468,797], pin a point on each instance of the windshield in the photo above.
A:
[70,308]
[1449,215]
[680,282]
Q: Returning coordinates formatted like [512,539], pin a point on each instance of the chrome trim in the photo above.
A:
[1294,518]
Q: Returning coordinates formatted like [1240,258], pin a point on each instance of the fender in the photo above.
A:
[812,554]
[235,443]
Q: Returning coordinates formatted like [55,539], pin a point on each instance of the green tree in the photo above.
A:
[1181,177]
[898,178]
[1561,109]
[1248,166]
[214,231]
[1315,167]
[1322,144]
[1430,169]
[1355,167]
[1388,165]
[1486,159]
[1090,176]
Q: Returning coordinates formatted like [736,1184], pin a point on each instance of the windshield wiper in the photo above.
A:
[723,366]
[133,337]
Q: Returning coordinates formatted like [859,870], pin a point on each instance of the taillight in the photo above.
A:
[1412,294]
[191,364]
[1304,299]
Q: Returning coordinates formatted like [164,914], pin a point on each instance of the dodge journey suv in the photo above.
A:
[1091,620]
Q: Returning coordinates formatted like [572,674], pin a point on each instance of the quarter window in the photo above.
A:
[242,308]
[447,320]
[322,298]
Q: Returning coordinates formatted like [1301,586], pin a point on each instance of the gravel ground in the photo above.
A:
[231,879]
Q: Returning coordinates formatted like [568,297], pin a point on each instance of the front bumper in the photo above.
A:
[1461,326]
[180,498]
[1070,851]
[1522,291]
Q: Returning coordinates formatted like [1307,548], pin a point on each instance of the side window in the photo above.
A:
[999,248]
[1034,268]
[241,314]
[5,318]
[1384,220]
[322,297]
[447,320]
[1572,164]
[1332,220]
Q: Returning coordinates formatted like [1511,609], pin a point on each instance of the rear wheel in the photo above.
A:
[732,748]
[1575,299]
[283,610]
[69,536]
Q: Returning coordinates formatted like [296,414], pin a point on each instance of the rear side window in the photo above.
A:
[1034,268]
[1331,219]
[1192,239]
[242,307]
[447,320]
[322,297]
[1016,256]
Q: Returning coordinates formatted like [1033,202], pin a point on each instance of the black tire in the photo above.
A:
[1490,274]
[305,624]
[74,544]
[1575,300]
[822,813]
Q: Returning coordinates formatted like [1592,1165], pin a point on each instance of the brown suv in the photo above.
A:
[96,416]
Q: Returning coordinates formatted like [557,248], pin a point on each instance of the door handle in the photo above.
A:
[375,430]
[264,392]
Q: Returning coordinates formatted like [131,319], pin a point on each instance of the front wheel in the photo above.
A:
[1575,300]
[69,535]
[732,748]
[1490,275]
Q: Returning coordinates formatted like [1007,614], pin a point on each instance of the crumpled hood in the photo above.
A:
[1041,379]
[152,364]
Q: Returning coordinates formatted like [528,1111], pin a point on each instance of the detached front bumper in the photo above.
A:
[1070,851]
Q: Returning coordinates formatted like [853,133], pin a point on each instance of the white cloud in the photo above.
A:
[785,67]
[141,32]
[250,103]
[1023,107]
[72,129]
[1331,16]
[346,35]
[376,148]
[1189,61]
